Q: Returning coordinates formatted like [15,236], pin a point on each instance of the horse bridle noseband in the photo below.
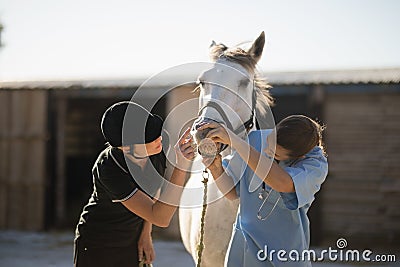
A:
[245,126]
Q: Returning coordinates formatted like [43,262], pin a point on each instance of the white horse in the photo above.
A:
[230,92]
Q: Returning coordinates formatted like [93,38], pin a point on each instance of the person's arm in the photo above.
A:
[223,181]
[275,177]
[157,212]
[145,244]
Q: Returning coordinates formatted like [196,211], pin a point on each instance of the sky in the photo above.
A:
[98,39]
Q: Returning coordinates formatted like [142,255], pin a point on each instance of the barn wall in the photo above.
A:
[23,135]
[182,108]
[360,199]
[362,193]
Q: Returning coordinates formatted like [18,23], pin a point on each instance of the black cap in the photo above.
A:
[127,123]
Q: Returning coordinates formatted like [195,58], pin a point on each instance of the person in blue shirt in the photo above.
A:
[276,189]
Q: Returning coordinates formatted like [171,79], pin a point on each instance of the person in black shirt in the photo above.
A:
[114,228]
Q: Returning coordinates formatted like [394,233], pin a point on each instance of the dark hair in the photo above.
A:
[299,134]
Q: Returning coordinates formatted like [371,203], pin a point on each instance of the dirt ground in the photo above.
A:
[22,249]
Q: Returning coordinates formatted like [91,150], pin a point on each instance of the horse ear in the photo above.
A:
[213,43]
[257,48]
[216,50]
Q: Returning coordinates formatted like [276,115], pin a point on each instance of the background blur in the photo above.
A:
[63,62]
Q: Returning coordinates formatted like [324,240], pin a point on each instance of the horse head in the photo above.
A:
[229,92]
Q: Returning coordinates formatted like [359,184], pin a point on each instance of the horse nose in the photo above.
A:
[200,134]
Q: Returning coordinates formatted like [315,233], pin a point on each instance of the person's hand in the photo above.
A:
[218,133]
[271,146]
[213,163]
[184,150]
[145,248]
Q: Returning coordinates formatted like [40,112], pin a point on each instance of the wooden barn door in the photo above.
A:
[23,134]
[76,141]
[305,100]
[363,195]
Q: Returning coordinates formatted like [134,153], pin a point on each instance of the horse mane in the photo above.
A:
[238,55]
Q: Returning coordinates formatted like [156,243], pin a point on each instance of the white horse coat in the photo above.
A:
[231,83]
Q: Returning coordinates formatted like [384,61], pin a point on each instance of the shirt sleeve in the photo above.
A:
[234,167]
[307,176]
[120,186]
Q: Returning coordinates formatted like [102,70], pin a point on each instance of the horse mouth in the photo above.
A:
[206,147]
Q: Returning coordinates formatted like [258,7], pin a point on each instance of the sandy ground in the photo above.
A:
[22,249]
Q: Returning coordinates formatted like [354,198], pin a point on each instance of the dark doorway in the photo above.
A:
[82,142]
[297,100]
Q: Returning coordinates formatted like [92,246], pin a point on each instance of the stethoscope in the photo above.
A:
[265,199]
[261,195]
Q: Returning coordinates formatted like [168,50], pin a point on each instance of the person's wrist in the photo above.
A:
[184,164]
[147,228]
[215,168]
[146,234]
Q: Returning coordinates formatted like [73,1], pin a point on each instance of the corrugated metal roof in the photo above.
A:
[161,81]
[375,76]
[70,84]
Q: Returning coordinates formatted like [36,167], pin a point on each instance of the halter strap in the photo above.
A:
[220,111]
[245,126]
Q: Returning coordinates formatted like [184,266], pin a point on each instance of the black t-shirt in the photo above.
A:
[105,221]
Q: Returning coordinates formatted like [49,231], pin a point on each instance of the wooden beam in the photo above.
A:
[5,97]
[60,161]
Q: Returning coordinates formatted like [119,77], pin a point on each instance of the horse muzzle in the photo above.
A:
[205,146]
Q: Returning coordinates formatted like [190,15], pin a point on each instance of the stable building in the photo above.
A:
[50,138]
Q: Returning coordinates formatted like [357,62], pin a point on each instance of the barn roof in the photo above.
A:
[371,76]
[374,76]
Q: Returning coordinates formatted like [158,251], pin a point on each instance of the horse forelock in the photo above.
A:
[238,55]
[235,54]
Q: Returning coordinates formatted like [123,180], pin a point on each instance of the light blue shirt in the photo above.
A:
[287,226]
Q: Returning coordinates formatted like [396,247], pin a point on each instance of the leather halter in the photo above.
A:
[247,125]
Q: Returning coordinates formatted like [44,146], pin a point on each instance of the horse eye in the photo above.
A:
[243,83]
